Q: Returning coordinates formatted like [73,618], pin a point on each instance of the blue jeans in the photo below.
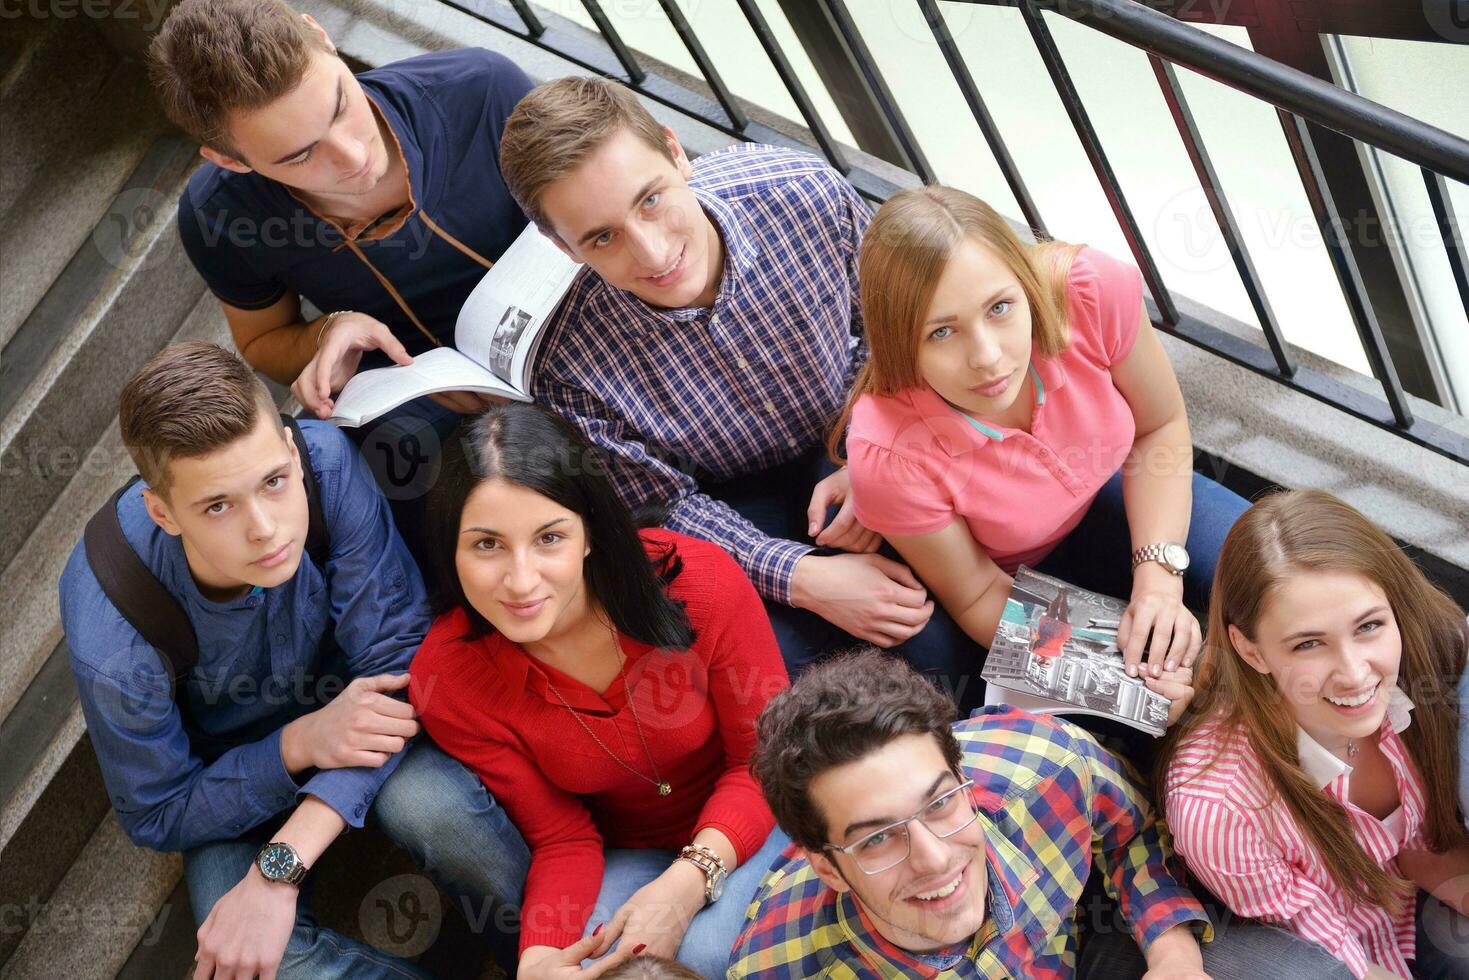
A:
[712,932]
[1238,952]
[1097,554]
[1443,942]
[775,501]
[436,810]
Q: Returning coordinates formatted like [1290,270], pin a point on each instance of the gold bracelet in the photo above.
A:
[326,322]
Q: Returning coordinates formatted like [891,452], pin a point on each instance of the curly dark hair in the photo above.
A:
[838,711]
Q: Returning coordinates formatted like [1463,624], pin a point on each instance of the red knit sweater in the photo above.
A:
[486,703]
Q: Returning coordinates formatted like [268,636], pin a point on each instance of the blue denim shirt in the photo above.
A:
[265,659]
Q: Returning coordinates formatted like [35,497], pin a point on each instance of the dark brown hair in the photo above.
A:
[215,57]
[190,399]
[647,967]
[557,125]
[1311,530]
[839,711]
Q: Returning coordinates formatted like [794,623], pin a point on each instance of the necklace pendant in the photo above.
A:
[664,789]
[1351,748]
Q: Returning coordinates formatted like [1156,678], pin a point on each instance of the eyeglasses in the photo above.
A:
[887,847]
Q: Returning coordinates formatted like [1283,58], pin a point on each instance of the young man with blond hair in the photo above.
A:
[274,551]
[707,346]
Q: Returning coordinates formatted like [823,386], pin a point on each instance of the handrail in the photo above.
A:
[1266,79]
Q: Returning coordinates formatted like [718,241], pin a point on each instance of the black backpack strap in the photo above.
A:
[318,539]
[136,592]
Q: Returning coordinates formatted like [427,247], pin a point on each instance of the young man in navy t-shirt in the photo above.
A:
[377,197]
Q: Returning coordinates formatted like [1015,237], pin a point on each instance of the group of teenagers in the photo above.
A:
[617,672]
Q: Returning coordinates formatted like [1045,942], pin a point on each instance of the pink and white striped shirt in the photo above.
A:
[1243,843]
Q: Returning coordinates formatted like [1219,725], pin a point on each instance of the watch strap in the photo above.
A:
[1154,552]
[707,861]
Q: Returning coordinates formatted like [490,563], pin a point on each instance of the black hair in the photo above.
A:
[531,448]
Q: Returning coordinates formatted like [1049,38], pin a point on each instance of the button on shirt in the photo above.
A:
[253,242]
[1245,846]
[1049,798]
[674,397]
[917,462]
[265,658]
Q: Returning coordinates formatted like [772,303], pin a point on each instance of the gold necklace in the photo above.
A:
[663,787]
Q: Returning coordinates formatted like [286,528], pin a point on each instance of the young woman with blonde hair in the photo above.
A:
[1017,407]
[1313,781]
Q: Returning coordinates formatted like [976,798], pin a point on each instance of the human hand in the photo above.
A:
[871,597]
[339,350]
[246,932]
[550,963]
[362,726]
[843,533]
[1175,955]
[1157,608]
[657,915]
[1175,685]
[1169,971]
[466,402]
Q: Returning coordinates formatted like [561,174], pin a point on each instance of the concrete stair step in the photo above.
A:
[109,310]
[108,904]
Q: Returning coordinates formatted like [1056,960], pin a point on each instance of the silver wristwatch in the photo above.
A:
[1171,556]
[713,867]
[278,861]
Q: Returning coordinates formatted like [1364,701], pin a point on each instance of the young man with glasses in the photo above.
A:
[924,848]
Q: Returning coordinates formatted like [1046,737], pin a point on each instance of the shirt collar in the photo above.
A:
[522,672]
[942,416]
[1323,766]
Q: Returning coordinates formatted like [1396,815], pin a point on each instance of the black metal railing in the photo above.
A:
[1298,97]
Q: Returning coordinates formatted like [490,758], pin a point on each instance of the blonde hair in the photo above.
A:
[558,125]
[904,252]
[1311,530]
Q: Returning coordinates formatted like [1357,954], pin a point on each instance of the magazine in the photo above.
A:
[1055,652]
[496,336]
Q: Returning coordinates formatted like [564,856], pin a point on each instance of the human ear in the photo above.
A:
[320,32]
[826,870]
[158,510]
[224,160]
[1248,652]
[680,158]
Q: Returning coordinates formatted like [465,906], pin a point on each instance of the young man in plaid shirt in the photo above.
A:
[925,848]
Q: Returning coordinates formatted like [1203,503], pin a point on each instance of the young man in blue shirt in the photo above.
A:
[255,746]
[377,197]
[706,349]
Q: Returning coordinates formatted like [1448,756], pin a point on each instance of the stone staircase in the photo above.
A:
[93,280]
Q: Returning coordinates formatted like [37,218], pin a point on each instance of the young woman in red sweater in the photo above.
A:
[604,684]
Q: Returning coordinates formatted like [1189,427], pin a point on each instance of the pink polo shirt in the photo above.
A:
[916,461]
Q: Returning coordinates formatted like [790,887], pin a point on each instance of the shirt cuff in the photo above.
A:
[267,776]
[771,565]
[350,792]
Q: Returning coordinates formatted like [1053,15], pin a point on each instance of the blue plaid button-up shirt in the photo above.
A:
[676,396]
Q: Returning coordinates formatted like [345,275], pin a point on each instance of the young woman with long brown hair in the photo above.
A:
[1017,407]
[1313,781]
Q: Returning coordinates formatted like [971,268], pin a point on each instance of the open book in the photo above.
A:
[1055,652]
[497,333]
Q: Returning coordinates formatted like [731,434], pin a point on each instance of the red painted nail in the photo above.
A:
[639,948]
[598,931]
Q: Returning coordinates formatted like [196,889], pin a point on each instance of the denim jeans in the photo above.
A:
[436,810]
[775,501]
[1443,942]
[1238,952]
[714,928]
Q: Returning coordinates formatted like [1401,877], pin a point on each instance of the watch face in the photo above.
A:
[277,861]
[716,888]
[1175,555]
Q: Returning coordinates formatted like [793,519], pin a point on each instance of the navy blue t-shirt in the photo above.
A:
[253,242]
